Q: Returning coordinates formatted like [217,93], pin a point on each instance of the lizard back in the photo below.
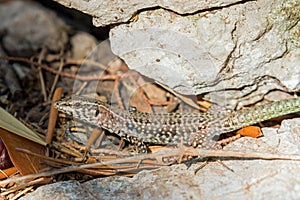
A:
[196,129]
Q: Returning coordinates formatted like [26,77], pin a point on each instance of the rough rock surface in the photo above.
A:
[238,51]
[115,12]
[60,191]
[247,49]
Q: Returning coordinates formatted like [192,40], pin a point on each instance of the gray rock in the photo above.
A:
[115,12]
[60,191]
[240,52]
[82,45]
[229,51]
[21,38]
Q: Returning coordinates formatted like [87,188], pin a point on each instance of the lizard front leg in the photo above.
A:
[139,145]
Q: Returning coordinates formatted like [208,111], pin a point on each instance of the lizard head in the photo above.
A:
[80,107]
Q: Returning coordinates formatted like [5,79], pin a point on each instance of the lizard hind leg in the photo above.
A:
[138,145]
[204,139]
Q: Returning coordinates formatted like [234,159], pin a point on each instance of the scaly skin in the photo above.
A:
[195,129]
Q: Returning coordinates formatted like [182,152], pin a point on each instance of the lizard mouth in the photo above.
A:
[60,106]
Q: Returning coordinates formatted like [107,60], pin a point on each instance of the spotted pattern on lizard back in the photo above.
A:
[195,129]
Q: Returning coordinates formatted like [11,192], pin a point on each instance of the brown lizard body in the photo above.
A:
[195,129]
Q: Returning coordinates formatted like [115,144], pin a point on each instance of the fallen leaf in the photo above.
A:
[250,131]
[186,100]
[7,172]
[16,135]
[137,101]
[11,124]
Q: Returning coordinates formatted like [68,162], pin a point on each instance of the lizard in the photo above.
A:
[193,129]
